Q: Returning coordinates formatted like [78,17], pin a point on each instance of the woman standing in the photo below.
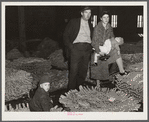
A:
[101,33]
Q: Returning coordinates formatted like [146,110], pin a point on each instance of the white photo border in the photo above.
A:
[17,116]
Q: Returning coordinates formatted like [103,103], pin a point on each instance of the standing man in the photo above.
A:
[77,38]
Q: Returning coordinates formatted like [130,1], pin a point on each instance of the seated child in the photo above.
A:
[108,45]
[41,100]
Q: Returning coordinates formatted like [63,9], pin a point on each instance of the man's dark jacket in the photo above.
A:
[41,101]
[71,32]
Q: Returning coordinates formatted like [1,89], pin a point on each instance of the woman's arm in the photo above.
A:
[97,39]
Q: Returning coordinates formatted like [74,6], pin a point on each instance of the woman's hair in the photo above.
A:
[104,12]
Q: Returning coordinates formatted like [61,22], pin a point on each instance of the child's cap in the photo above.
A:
[45,79]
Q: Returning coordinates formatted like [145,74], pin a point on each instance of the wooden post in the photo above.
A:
[22,36]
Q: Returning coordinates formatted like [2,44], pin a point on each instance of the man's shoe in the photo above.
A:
[94,64]
[89,85]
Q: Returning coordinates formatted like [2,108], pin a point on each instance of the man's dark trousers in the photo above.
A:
[79,58]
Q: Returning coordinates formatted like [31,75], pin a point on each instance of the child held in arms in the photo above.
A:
[106,48]
[41,100]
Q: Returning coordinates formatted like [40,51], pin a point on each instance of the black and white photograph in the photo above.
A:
[74,60]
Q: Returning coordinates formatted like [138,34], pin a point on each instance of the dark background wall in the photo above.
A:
[45,21]
[127,22]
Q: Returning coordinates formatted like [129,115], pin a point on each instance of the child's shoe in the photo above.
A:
[104,58]
[125,73]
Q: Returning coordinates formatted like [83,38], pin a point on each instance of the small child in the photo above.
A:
[41,100]
[108,45]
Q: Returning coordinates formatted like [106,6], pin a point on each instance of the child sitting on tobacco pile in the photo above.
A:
[106,48]
[41,100]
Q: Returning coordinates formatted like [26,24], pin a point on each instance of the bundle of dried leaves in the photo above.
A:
[13,54]
[36,66]
[131,84]
[17,83]
[57,59]
[94,100]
